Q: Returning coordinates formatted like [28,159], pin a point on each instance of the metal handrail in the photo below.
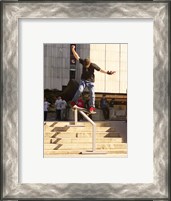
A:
[93,127]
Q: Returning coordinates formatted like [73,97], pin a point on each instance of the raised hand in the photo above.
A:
[111,72]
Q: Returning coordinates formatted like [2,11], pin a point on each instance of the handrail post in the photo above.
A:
[93,130]
[76,115]
[94,138]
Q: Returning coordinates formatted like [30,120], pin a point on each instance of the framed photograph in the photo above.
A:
[32,35]
[98,125]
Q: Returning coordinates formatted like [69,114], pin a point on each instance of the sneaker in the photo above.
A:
[92,110]
[72,103]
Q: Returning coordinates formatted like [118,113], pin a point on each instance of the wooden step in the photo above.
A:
[55,129]
[86,123]
[102,146]
[64,138]
[67,140]
[80,134]
[82,123]
[65,152]
[75,129]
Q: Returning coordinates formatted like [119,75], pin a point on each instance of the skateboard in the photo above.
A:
[83,109]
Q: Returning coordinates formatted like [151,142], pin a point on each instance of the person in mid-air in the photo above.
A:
[87,79]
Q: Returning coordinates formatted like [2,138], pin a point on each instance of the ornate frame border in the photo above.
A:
[12,12]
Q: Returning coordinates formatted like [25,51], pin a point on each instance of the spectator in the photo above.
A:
[112,104]
[58,103]
[67,111]
[104,106]
[63,110]
[46,106]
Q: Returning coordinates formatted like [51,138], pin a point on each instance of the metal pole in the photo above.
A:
[93,131]
[93,151]
[105,69]
[76,115]
[94,138]
[119,66]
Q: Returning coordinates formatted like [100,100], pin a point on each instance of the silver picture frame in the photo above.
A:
[11,13]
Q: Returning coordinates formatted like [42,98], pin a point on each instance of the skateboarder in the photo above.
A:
[87,79]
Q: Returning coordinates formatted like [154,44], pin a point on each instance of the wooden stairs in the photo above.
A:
[66,140]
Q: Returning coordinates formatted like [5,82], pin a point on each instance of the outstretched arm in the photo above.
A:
[107,72]
[75,53]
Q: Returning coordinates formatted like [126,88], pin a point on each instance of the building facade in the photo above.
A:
[59,69]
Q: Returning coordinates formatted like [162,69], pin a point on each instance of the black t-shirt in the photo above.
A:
[88,73]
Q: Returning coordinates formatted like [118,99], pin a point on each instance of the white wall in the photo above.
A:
[110,57]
